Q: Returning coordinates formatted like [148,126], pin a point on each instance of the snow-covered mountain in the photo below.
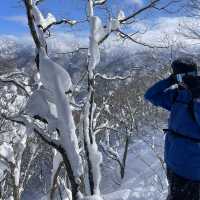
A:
[116,57]
[118,60]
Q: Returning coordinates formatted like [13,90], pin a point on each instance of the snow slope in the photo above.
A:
[144,178]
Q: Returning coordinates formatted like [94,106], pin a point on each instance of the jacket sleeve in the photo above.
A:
[196,109]
[160,94]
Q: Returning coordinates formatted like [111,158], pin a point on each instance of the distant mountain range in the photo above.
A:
[115,60]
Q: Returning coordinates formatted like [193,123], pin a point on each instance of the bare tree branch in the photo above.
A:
[126,36]
[150,5]
[164,7]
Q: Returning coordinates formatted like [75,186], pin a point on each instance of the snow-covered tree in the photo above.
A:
[14,137]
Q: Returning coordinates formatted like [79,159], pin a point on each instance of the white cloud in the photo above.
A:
[58,42]
[65,42]
[164,31]
[136,2]
[22,19]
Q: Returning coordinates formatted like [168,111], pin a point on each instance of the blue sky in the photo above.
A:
[12,13]
[13,21]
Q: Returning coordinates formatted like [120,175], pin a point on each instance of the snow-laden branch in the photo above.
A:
[47,22]
[31,126]
[101,32]
[58,22]
[14,75]
[111,153]
[99,2]
[100,127]
[39,19]
[16,83]
[58,82]
[41,104]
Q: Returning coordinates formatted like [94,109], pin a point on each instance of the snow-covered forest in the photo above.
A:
[73,121]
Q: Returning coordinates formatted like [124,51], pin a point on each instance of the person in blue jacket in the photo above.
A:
[182,141]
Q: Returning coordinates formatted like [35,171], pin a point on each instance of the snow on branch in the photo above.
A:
[16,83]
[23,121]
[49,21]
[62,21]
[57,81]
[111,153]
[42,104]
[52,74]
[100,127]
[99,2]
[39,19]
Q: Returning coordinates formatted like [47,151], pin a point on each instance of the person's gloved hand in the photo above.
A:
[172,79]
[193,84]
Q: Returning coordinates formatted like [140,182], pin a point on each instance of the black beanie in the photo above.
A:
[184,65]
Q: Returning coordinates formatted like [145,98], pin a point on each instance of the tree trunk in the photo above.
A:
[122,170]
[55,181]
[16,195]
[74,185]
[89,165]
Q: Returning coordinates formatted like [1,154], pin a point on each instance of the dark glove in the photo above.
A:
[172,79]
[193,84]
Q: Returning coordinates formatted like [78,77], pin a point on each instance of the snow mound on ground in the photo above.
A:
[93,197]
[118,195]
[144,176]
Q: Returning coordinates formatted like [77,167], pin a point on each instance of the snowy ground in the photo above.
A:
[144,179]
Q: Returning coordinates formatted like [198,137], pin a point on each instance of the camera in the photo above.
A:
[179,77]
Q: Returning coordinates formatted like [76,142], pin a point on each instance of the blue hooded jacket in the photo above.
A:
[182,155]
